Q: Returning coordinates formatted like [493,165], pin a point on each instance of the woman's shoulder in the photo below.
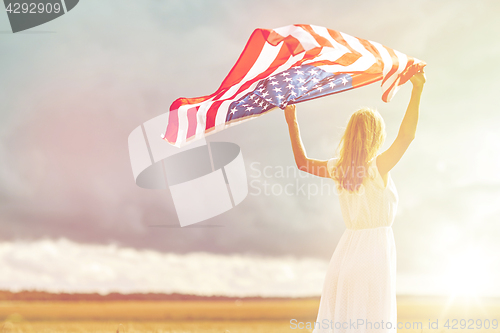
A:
[374,172]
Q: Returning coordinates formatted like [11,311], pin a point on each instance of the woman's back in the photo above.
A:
[373,206]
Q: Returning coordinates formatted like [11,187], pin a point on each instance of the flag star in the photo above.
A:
[299,72]
[277,89]
[261,89]
[344,81]
[331,84]
[233,110]
[315,80]
[285,73]
[252,97]
[320,88]
[279,96]
[303,88]
[269,100]
[290,86]
[256,101]
[246,104]
[260,104]
[293,93]
[249,108]
[274,83]
[265,94]
[288,79]
[301,80]
[313,72]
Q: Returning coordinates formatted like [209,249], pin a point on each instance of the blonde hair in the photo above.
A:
[362,139]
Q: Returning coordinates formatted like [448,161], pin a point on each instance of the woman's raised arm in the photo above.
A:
[310,165]
[389,158]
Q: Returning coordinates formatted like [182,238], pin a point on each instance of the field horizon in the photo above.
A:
[211,314]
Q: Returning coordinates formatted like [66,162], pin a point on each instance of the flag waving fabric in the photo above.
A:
[289,65]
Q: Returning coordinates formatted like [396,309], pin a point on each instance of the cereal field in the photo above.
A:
[231,316]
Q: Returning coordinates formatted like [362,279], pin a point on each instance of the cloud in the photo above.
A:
[63,265]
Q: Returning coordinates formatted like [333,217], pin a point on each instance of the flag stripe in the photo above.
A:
[402,59]
[191,115]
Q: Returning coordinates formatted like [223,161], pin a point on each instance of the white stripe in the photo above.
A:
[327,53]
[242,93]
[305,38]
[386,58]
[403,60]
[366,60]
[323,32]
[182,122]
[265,59]
[201,116]
[220,118]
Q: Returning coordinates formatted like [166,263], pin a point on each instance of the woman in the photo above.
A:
[359,293]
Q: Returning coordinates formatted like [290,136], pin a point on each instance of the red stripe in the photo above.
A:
[185,101]
[172,127]
[385,95]
[339,39]
[320,39]
[410,70]
[211,114]
[404,76]
[360,79]
[395,64]
[192,122]
[345,60]
[281,58]
[378,67]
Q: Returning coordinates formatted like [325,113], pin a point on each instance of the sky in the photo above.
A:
[72,90]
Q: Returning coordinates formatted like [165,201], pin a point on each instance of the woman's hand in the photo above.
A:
[418,79]
[290,112]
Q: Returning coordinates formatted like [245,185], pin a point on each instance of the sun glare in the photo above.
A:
[468,274]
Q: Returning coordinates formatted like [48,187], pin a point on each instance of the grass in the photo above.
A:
[217,316]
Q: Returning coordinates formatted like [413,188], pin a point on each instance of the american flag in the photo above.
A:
[288,65]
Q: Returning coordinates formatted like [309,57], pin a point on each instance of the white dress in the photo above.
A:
[359,292]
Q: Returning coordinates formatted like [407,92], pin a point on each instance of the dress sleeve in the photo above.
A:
[330,164]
